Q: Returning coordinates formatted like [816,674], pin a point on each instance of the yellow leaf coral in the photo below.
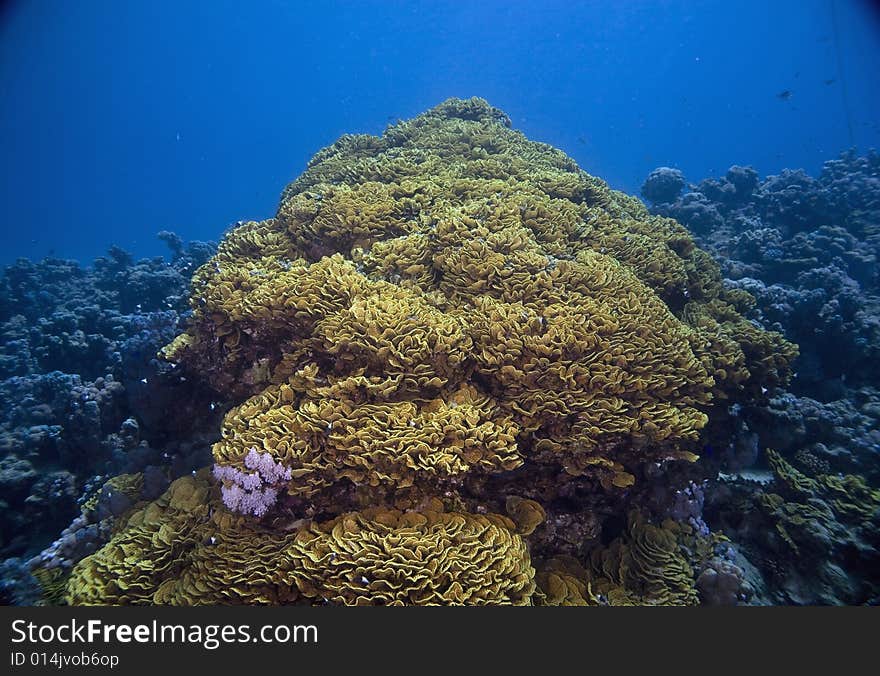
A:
[454,253]
[440,307]
[186,549]
[645,566]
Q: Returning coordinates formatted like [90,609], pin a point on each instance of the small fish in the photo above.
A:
[785,95]
[830,81]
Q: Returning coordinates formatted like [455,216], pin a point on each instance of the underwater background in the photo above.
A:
[188,116]
[136,135]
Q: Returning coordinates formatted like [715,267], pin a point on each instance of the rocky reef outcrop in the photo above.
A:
[83,396]
[799,471]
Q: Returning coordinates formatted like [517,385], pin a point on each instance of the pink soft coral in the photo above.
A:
[252,492]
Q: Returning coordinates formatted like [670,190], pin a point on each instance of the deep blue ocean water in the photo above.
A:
[120,119]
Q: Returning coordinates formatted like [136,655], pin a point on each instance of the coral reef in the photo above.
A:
[82,394]
[816,539]
[805,515]
[807,249]
[456,369]
[18,587]
[185,549]
[440,325]
[670,564]
[643,567]
[841,436]
[453,263]
[663,185]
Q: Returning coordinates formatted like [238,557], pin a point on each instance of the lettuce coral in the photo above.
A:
[644,567]
[452,254]
[817,513]
[446,303]
[185,549]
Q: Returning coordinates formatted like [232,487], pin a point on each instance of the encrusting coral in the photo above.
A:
[446,302]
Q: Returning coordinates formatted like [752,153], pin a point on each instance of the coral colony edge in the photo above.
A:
[457,369]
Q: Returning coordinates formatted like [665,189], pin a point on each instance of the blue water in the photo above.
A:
[120,119]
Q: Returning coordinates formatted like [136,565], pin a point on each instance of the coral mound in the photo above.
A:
[442,306]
